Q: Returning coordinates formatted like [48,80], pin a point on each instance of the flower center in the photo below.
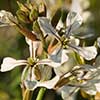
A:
[31,61]
[64,41]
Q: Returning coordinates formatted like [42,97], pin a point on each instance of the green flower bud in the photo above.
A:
[42,9]
[22,7]
[33,14]
[36,27]
[22,16]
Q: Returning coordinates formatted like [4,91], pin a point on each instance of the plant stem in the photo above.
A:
[28,95]
[41,94]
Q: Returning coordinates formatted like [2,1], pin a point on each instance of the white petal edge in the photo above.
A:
[74,20]
[33,45]
[98,42]
[48,62]
[64,57]
[10,63]
[88,53]
[97,86]
[49,84]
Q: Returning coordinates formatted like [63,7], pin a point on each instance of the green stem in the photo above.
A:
[41,94]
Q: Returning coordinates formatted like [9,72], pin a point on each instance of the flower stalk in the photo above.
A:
[41,94]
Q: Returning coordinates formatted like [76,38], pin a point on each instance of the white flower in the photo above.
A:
[73,22]
[36,76]
[10,63]
[91,82]
[5,17]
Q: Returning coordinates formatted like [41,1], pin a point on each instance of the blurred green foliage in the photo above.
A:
[11,44]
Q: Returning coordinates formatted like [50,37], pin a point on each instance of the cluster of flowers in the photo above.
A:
[63,55]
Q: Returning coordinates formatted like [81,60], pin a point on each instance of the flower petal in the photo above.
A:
[76,7]
[33,45]
[64,57]
[31,85]
[66,66]
[10,63]
[74,41]
[50,84]
[74,20]
[86,72]
[56,59]
[98,42]
[4,18]
[88,53]
[46,27]
[48,62]
[59,55]
[25,73]
[89,88]
[68,93]
[97,86]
